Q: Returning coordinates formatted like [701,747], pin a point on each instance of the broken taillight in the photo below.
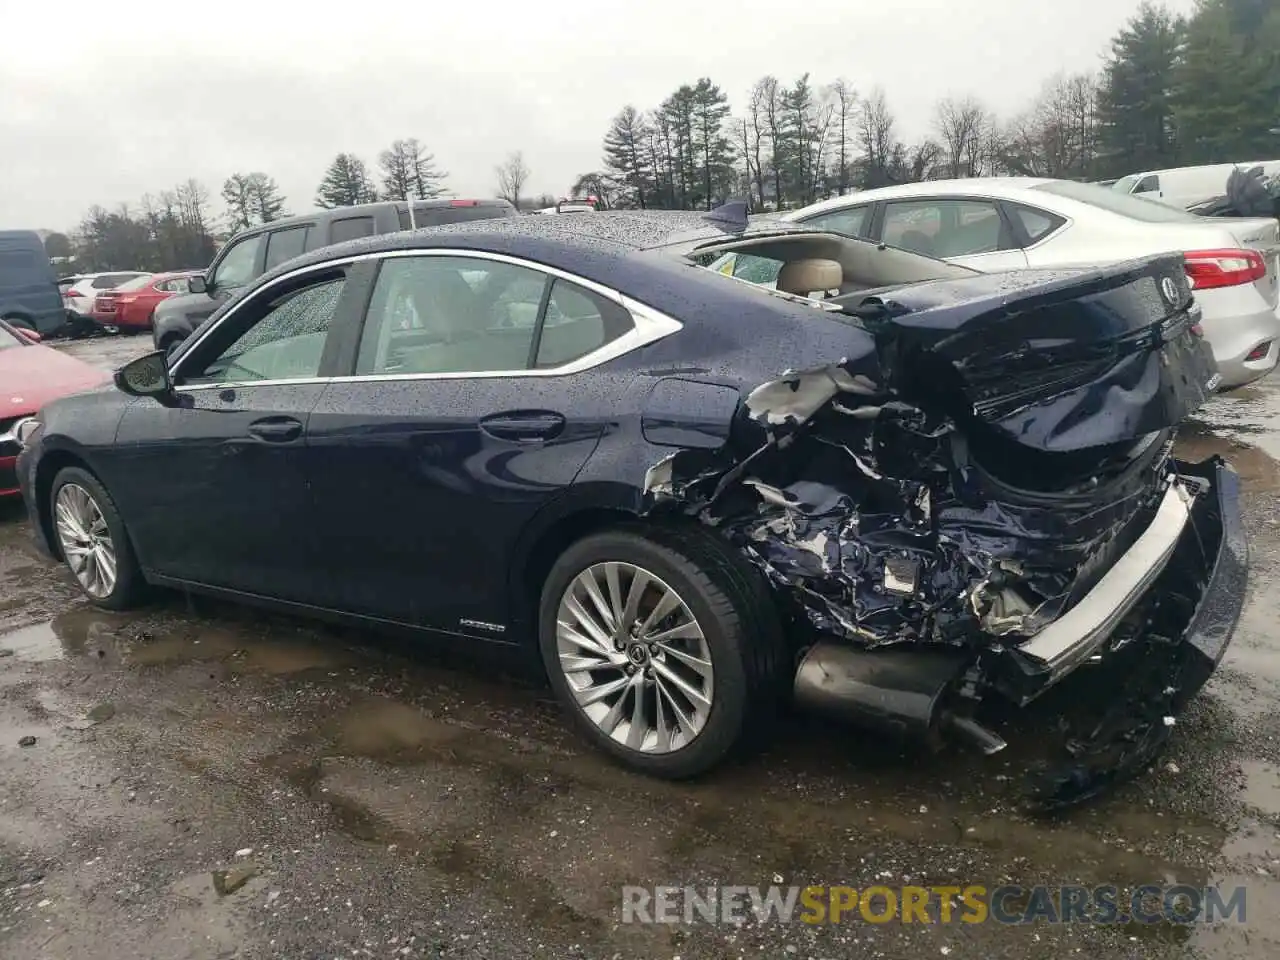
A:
[1208,269]
[1259,352]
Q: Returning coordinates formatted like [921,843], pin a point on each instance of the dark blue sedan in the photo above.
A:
[886,485]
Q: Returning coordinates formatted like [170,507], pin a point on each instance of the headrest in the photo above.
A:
[803,277]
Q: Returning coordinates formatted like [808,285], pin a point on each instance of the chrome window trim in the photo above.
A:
[649,325]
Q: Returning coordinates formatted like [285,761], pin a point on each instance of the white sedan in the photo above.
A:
[994,224]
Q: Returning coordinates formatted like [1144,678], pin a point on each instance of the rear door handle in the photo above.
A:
[524,426]
[276,429]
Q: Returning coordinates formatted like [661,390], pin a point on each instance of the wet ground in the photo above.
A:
[388,800]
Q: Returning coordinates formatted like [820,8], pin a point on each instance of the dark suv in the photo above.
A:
[251,253]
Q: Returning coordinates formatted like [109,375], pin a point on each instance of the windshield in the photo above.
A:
[1135,208]
[8,339]
[1125,184]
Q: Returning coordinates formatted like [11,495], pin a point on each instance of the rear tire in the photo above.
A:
[93,541]
[705,687]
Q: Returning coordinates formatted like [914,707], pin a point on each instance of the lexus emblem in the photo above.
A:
[1169,290]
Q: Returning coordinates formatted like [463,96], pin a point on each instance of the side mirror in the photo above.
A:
[197,284]
[146,377]
[29,334]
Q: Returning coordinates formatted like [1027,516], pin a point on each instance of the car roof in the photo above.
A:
[996,187]
[611,233]
[371,209]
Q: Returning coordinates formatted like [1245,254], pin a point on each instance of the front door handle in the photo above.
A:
[276,429]
[524,426]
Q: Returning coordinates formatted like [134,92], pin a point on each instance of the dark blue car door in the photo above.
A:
[480,387]
[214,486]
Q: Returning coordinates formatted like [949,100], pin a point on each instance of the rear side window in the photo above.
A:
[851,222]
[578,322]
[1037,223]
[350,229]
[284,245]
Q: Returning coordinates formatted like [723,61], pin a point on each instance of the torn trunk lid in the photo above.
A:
[1056,360]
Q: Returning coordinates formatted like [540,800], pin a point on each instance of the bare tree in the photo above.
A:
[512,176]
[963,126]
[876,137]
[846,105]
[756,121]
[772,107]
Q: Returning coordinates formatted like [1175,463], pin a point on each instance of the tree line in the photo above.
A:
[179,229]
[1172,91]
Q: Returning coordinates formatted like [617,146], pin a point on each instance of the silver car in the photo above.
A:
[994,224]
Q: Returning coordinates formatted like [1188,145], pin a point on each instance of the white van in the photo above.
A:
[1183,186]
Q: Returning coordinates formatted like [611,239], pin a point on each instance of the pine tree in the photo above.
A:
[626,159]
[711,144]
[1135,103]
[346,183]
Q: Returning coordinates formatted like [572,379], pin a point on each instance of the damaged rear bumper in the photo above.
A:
[1184,578]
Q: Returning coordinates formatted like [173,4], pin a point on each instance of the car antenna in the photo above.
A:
[732,212]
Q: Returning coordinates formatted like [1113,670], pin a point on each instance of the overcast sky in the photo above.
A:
[103,103]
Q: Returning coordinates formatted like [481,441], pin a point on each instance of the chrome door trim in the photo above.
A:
[649,325]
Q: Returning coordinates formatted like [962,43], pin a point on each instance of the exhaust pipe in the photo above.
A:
[898,691]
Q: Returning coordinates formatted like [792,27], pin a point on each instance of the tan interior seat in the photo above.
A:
[804,277]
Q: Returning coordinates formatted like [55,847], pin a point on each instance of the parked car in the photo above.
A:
[995,224]
[130,306]
[1184,187]
[80,291]
[28,293]
[30,376]
[959,488]
[252,253]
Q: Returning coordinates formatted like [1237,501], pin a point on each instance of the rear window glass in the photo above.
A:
[109,281]
[438,216]
[350,229]
[1135,208]
[137,283]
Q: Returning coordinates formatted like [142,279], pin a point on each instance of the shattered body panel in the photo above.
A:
[866,495]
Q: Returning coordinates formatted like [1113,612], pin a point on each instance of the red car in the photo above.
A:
[30,376]
[130,305]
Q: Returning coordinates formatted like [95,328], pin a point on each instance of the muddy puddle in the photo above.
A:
[86,634]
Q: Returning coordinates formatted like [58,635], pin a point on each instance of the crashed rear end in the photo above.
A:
[990,504]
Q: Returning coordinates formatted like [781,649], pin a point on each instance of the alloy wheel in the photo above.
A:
[85,539]
[635,657]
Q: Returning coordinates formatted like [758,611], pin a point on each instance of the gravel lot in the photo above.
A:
[395,800]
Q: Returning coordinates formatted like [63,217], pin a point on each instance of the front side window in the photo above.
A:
[1148,184]
[851,222]
[284,245]
[284,340]
[450,315]
[238,265]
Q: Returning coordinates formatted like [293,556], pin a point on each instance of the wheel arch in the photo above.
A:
[53,462]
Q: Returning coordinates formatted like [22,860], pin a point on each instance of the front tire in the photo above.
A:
[664,649]
[93,540]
